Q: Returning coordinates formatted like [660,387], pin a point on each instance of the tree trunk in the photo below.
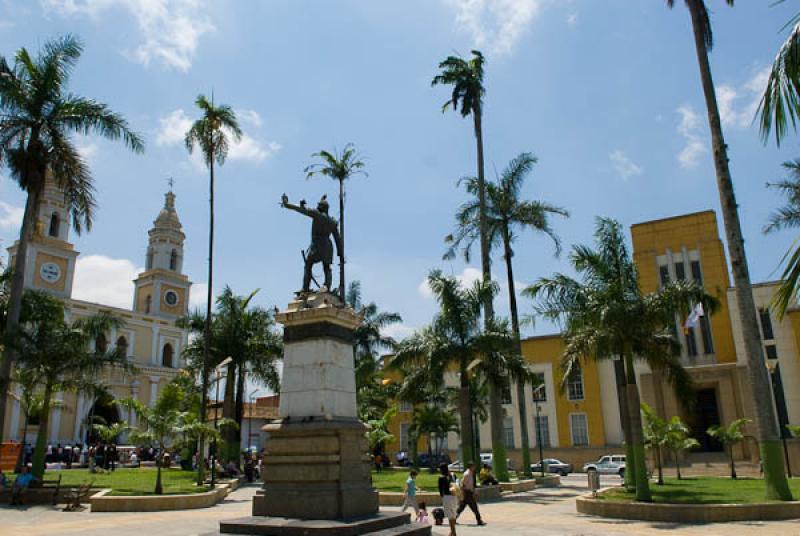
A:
[622,397]
[159,489]
[767,429]
[21,457]
[660,463]
[496,414]
[15,296]
[207,327]
[522,403]
[465,417]
[230,435]
[637,440]
[341,237]
[40,450]
[733,464]
[677,464]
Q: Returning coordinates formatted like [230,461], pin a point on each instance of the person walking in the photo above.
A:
[449,500]
[410,497]
[468,494]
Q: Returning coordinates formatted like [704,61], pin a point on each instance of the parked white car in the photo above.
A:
[607,465]
[486,458]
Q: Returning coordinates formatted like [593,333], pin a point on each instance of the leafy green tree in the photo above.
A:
[109,433]
[31,403]
[507,215]
[433,422]
[769,436]
[339,167]
[55,353]
[211,135]
[466,79]
[245,333]
[455,338]
[729,436]
[786,217]
[38,115]
[655,437]
[678,440]
[378,434]
[607,316]
[163,423]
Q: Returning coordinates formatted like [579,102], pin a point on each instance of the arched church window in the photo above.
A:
[55,224]
[173,260]
[166,356]
[101,344]
[148,302]
[122,346]
[149,261]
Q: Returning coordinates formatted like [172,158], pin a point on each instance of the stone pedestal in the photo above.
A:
[316,462]
[316,466]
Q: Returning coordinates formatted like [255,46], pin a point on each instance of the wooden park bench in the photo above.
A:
[74,496]
[48,484]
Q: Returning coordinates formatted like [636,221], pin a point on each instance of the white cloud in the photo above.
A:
[249,116]
[88,152]
[175,125]
[198,296]
[397,331]
[101,279]
[689,127]
[738,106]
[10,216]
[624,166]
[467,277]
[170,29]
[173,128]
[496,25]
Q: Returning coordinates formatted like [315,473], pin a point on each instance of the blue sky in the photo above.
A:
[606,94]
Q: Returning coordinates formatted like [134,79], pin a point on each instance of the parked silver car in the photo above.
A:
[613,464]
[552,465]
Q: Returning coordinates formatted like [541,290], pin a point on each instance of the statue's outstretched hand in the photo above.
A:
[284,200]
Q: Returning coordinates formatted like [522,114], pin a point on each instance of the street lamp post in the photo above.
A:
[218,375]
[250,418]
[538,427]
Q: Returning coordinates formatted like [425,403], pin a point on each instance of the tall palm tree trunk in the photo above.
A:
[207,327]
[159,459]
[40,450]
[768,433]
[341,237]
[496,415]
[729,448]
[622,400]
[15,297]
[465,418]
[21,457]
[637,436]
[521,401]
[229,433]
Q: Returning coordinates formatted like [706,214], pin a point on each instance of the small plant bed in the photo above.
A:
[707,490]
[396,480]
[128,482]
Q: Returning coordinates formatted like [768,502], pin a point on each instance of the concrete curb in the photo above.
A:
[395,498]
[688,513]
[103,502]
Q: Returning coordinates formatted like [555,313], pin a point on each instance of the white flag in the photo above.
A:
[694,317]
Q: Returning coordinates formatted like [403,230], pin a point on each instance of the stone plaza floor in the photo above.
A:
[543,512]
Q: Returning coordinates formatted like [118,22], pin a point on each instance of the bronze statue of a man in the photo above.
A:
[321,248]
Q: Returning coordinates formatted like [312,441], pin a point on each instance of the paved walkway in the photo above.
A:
[541,513]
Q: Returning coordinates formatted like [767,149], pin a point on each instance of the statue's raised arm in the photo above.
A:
[321,248]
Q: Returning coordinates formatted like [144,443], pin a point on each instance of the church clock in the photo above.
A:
[50,272]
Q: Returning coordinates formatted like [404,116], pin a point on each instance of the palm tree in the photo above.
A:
[163,423]
[787,216]
[210,134]
[729,436]
[434,422]
[678,440]
[54,352]
[455,338]
[769,437]
[31,403]
[37,117]
[466,77]
[506,216]
[606,316]
[339,167]
[108,433]
[655,437]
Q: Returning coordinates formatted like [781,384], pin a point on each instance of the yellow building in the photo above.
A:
[149,335]
[581,420]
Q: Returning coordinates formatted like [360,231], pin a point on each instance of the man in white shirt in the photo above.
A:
[468,490]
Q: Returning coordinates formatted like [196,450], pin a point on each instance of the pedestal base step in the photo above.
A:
[380,524]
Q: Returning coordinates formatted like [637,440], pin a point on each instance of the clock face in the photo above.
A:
[50,272]
[171,297]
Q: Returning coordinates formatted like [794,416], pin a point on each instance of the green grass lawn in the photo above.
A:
[140,481]
[396,480]
[704,491]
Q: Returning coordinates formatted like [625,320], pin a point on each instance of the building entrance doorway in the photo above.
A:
[103,411]
[706,415]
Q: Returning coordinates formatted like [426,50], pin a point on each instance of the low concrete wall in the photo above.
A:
[689,513]
[394,498]
[518,486]
[548,481]
[103,502]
